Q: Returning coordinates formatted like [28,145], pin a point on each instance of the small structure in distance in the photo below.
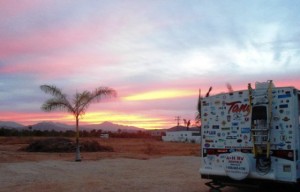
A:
[181,134]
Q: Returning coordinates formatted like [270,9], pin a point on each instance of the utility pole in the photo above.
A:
[177,118]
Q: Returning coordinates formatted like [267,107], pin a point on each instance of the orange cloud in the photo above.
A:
[161,94]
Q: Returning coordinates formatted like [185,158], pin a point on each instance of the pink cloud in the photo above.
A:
[60,65]
[48,40]
[59,50]
[59,34]
[14,7]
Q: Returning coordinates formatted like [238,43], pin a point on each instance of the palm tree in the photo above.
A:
[187,123]
[77,106]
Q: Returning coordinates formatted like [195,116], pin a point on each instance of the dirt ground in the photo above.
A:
[123,148]
[136,165]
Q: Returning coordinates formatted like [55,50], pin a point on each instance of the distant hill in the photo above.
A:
[11,124]
[108,126]
[49,125]
[105,126]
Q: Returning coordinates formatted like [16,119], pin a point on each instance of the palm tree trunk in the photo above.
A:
[77,157]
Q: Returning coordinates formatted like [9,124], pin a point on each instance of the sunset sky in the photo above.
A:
[155,54]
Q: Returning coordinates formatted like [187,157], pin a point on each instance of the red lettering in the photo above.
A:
[236,107]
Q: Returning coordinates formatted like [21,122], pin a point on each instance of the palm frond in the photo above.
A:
[82,100]
[229,87]
[98,93]
[53,90]
[208,92]
[56,103]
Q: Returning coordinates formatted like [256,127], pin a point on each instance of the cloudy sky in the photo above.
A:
[156,54]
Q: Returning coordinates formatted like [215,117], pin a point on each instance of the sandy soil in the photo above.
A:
[136,165]
[172,173]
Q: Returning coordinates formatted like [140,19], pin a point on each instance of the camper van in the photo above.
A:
[251,136]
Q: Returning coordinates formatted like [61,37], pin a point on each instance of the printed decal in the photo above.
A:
[245,130]
[217,102]
[223,123]
[276,118]
[235,124]
[228,118]
[286,119]
[205,104]
[237,107]
[281,145]
[206,126]
[211,132]
[283,106]
[237,117]
[284,96]
[231,137]
[215,126]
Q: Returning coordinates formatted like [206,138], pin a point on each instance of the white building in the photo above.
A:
[182,136]
[104,136]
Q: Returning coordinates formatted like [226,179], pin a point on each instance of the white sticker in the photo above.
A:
[237,165]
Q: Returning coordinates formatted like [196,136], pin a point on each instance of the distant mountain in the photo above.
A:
[48,125]
[10,124]
[108,126]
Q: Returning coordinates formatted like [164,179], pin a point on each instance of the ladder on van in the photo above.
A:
[260,101]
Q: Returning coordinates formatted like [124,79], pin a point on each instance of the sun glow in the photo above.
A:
[122,119]
[161,94]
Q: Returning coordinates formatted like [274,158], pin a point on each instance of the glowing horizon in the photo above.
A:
[135,120]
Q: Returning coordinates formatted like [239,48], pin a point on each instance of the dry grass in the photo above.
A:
[123,148]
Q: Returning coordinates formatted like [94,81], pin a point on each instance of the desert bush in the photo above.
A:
[64,145]
[93,146]
[151,149]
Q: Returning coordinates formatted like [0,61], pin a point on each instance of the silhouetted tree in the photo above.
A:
[229,87]
[187,123]
[77,106]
